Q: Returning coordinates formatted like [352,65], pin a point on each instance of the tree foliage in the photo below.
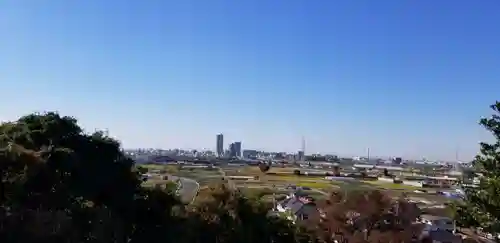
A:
[336,170]
[264,167]
[386,173]
[481,207]
[367,216]
[58,183]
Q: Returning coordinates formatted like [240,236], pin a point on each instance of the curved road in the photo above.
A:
[188,190]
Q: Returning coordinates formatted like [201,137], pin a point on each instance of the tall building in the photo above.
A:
[220,145]
[235,149]
[232,150]
[238,149]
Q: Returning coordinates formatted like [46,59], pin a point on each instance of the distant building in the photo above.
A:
[250,154]
[235,149]
[280,155]
[220,145]
[300,155]
[397,160]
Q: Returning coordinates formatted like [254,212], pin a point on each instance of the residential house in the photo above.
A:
[297,207]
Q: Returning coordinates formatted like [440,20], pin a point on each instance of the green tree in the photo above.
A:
[60,184]
[142,170]
[386,173]
[264,167]
[336,170]
[481,206]
[229,216]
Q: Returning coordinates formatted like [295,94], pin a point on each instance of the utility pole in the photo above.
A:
[368,155]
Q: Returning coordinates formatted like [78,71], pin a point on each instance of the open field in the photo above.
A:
[390,186]
[282,177]
[281,181]
[154,181]
[203,176]
[171,169]
[277,177]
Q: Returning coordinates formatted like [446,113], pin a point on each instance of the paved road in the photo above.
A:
[188,190]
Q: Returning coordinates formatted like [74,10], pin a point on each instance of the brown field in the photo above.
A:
[277,177]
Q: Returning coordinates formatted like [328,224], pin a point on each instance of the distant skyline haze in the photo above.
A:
[403,78]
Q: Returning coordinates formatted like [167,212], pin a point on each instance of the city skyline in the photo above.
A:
[227,148]
[408,79]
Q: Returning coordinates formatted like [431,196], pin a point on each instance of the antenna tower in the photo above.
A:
[303,147]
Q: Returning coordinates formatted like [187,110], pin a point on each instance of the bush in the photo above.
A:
[264,167]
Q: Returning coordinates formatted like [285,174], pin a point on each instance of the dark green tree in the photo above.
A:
[386,173]
[58,183]
[229,216]
[336,170]
[264,167]
[481,206]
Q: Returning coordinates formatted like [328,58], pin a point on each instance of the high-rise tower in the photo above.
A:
[235,149]
[220,145]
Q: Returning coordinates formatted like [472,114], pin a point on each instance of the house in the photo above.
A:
[297,207]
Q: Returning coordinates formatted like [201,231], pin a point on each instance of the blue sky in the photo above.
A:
[405,78]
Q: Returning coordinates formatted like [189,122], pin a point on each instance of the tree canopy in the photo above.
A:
[367,216]
[481,206]
[264,167]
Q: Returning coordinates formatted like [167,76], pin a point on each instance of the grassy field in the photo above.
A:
[279,179]
[203,176]
[167,168]
[285,176]
[276,181]
[391,186]
[155,180]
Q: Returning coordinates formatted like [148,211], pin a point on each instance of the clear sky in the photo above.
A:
[404,78]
